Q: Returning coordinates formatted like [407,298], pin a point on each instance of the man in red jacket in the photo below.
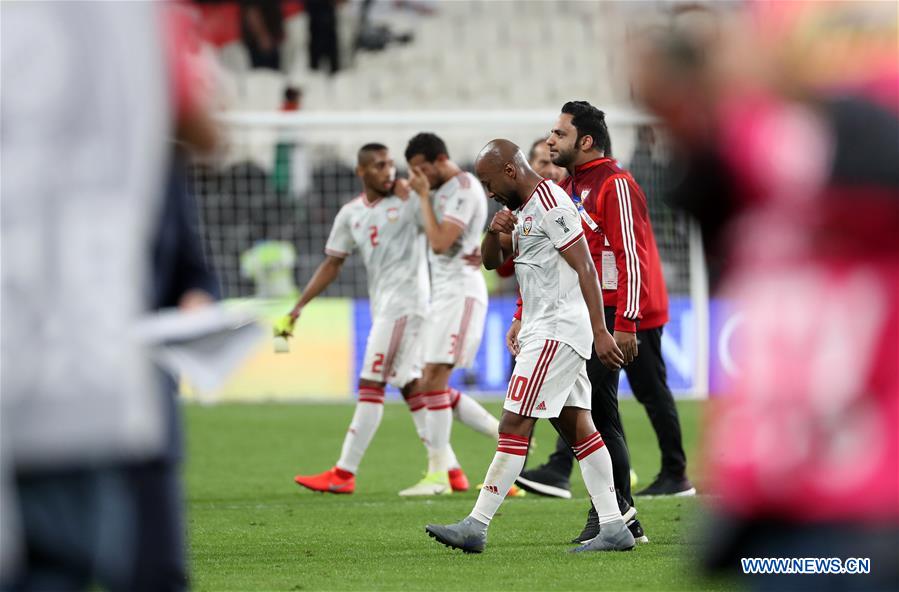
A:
[616,222]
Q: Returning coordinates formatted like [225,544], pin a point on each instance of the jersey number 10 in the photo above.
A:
[517,386]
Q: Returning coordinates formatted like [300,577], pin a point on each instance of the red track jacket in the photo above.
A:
[623,246]
[616,224]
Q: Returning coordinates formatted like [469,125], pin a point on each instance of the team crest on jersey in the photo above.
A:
[393,214]
[528,223]
[584,194]
[561,222]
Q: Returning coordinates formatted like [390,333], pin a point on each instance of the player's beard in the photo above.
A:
[513,202]
[379,189]
[440,180]
[562,158]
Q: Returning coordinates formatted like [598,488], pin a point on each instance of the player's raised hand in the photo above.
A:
[284,326]
[607,350]
[419,183]
[401,188]
[503,221]
[627,343]
[512,343]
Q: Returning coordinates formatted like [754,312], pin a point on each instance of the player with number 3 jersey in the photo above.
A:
[453,213]
[386,230]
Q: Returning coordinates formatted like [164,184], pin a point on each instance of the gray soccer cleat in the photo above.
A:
[469,535]
[613,536]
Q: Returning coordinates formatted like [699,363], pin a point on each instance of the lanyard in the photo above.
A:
[580,207]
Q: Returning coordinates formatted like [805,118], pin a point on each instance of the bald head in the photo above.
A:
[498,153]
[503,169]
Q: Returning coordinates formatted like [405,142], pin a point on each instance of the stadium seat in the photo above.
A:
[235,57]
[263,90]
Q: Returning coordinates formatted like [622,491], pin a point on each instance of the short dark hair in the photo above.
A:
[428,145]
[293,93]
[368,149]
[589,121]
[533,149]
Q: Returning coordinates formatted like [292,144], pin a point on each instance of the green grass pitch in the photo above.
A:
[252,528]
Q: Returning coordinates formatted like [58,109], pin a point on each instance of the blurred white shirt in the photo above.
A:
[86,114]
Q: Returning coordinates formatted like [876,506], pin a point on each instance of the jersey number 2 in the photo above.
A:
[378,364]
[373,235]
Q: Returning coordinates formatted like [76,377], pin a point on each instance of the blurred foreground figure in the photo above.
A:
[181,278]
[787,116]
[89,101]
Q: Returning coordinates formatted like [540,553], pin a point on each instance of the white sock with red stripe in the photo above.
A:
[473,414]
[419,410]
[418,407]
[596,468]
[506,466]
[440,423]
[366,419]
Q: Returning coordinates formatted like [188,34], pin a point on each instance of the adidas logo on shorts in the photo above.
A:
[491,489]
[541,406]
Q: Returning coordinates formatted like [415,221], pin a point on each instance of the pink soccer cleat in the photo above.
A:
[458,480]
[333,480]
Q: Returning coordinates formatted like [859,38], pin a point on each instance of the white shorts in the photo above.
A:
[453,331]
[393,351]
[548,376]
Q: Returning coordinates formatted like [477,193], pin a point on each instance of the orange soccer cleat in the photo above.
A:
[514,491]
[458,480]
[333,480]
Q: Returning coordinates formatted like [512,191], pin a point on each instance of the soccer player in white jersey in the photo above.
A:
[383,228]
[386,230]
[562,319]
[454,212]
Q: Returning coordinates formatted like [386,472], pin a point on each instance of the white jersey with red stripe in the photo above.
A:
[456,274]
[388,235]
[553,305]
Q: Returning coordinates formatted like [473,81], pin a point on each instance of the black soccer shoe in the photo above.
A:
[637,530]
[665,485]
[545,481]
[591,528]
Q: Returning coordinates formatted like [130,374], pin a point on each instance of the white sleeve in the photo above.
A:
[340,241]
[563,226]
[413,210]
[461,207]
